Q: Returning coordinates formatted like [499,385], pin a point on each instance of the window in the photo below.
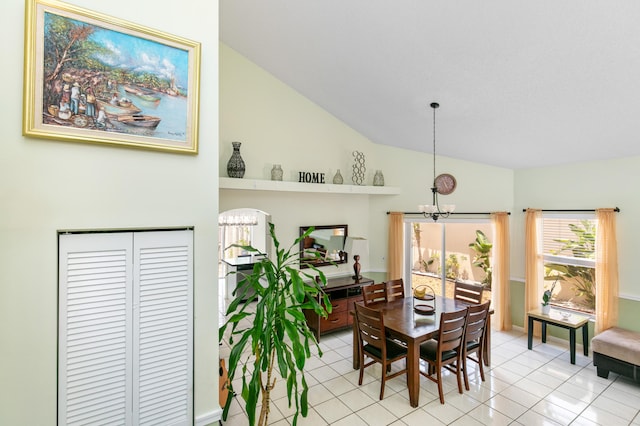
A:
[569,260]
[467,253]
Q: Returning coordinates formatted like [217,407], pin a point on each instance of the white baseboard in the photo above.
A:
[210,418]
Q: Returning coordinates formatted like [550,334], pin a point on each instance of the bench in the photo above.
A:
[617,350]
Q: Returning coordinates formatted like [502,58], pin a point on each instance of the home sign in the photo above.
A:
[310,177]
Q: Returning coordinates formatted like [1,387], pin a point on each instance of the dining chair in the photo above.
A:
[468,292]
[446,350]
[374,293]
[475,334]
[395,289]
[374,344]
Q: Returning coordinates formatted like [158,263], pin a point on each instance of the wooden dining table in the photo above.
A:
[403,323]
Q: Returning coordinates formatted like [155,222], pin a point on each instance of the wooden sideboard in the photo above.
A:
[343,293]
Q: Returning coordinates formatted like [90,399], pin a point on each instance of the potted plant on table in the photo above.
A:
[273,331]
[546,298]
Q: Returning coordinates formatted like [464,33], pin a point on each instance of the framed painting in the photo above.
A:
[93,78]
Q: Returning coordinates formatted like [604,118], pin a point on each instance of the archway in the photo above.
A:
[242,226]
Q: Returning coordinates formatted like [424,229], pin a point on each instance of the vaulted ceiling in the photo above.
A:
[520,83]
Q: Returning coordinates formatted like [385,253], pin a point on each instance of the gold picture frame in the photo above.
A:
[93,78]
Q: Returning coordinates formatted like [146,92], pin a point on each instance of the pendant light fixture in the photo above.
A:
[443,184]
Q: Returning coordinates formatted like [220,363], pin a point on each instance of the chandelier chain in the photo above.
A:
[434,143]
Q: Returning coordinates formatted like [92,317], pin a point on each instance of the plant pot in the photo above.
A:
[545,309]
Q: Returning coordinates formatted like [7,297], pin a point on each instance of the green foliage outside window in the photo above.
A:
[581,278]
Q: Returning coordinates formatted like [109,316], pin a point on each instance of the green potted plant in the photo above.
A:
[546,298]
[272,336]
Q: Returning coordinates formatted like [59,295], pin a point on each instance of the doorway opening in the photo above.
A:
[242,226]
[441,253]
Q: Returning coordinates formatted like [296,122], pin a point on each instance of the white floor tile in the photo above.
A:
[446,413]
[531,418]
[521,396]
[488,416]
[615,407]
[567,402]
[506,406]
[420,417]
[602,417]
[333,410]
[377,415]
[554,412]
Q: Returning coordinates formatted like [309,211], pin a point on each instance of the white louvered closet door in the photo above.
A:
[163,323]
[126,328]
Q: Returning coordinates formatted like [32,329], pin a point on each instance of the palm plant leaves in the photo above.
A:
[275,334]
[482,259]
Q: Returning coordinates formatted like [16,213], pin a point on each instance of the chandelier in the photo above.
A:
[443,184]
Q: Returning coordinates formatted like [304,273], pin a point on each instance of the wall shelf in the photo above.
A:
[284,186]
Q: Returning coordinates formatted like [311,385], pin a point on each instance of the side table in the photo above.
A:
[572,323]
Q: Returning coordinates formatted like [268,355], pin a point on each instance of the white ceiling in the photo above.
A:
[520,83]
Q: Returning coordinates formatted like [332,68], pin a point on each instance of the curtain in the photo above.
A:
[396,246]
[501,295]
[606,270]
[234,234]
[533,267]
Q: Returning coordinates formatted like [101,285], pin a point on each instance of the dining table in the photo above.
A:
[403,323]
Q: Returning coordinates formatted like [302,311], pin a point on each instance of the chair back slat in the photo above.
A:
[476,322]
[468,292]
[452,329]
[395,289]
[374,293]
[370,326]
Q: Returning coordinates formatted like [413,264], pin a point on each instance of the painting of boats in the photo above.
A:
[91,77]
[139,120]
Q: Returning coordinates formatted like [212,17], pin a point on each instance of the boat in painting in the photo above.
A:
[139,120]
[144,94]
[112,110]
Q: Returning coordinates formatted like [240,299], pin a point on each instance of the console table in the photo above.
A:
[572,323]
[343,293]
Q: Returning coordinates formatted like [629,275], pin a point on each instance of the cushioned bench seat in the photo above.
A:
[617,350]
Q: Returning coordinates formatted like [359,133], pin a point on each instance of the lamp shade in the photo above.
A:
[357,246]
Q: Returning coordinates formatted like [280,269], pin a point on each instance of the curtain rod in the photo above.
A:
[616,209]
[421,213]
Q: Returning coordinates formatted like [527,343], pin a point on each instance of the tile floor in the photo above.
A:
[522,387]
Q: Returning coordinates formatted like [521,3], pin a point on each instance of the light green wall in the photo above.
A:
[276,124]
[47,185]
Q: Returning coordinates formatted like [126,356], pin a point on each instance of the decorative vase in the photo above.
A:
[235,166]
[546,309]
[378,178]
[337,179]
[358,168]
[276,172]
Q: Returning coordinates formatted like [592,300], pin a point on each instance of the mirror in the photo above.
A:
[324,246]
